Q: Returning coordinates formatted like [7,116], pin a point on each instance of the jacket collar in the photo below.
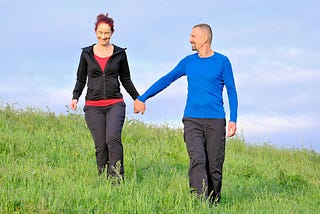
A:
[116,50]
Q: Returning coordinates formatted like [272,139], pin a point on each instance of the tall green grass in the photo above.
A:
[47,165]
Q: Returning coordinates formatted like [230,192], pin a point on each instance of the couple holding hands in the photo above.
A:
[103,66]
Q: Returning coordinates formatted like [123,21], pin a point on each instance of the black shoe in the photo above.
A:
[101,170]
[215,200]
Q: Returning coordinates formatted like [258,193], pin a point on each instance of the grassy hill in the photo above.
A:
[47,165]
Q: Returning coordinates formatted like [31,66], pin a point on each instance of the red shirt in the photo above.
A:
[103,62]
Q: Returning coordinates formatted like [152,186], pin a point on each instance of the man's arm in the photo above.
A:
[232,97]
[158,86]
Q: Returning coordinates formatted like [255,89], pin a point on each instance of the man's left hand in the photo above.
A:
[232,128]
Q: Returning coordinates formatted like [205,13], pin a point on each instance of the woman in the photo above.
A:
[104,64]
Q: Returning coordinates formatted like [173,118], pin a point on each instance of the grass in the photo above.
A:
[47,165]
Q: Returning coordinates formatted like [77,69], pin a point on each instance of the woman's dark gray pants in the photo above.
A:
[105,124]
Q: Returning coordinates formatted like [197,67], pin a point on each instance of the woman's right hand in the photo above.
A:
[73,104]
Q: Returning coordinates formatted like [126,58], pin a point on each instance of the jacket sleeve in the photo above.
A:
[81,77]
[125,78]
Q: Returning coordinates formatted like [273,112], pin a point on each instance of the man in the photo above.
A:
[204,120]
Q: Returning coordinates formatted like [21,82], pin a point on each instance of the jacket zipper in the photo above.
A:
[104,77]
[105,71]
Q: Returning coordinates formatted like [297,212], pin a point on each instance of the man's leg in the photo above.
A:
[195,143]
[215,133]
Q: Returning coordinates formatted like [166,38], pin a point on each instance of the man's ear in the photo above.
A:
[205,39]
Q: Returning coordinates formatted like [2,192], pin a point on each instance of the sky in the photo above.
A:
[273,46]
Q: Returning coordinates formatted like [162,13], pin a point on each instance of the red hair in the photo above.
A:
[104,19]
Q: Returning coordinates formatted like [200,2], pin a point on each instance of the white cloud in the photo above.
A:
[285,76]
[273,124]
[288,131]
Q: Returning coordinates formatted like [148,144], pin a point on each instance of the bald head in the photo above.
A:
[206,29]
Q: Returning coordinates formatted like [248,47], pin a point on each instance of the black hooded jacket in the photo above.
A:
[103,84]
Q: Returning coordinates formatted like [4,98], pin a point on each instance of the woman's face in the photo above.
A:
[103,33]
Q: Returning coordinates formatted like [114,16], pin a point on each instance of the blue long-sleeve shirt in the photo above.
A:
[206,79]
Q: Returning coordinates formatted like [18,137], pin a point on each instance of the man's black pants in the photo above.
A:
[205,140]
[105,124]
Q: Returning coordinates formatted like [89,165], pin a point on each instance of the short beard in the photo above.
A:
[193,48]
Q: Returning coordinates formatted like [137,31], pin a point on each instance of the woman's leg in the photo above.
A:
[96,122]
[115,116]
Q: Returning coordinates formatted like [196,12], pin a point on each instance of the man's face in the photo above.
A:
[196,39]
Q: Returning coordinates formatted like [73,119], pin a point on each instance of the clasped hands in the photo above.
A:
[139,106]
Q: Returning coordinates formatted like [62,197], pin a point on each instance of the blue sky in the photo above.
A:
[274,48]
